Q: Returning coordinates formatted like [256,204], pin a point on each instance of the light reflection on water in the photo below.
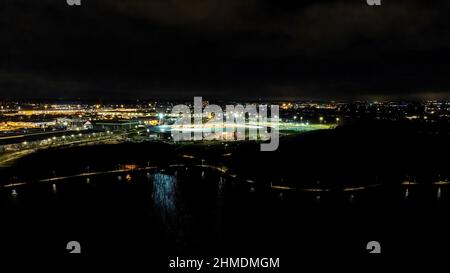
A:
[164,196]
[170,209]
[179,216]
[220,188]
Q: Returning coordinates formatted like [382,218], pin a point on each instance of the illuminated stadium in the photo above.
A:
[240,131]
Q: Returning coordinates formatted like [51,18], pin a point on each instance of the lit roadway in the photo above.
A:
[61,141]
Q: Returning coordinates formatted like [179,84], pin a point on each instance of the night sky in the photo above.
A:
[227,49]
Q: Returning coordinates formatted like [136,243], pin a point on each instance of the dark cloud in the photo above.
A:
[234,48]
[302,27]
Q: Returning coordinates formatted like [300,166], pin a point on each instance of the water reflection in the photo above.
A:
[164,195]
[170,210]
[352,198]
[220,207]
[220,187]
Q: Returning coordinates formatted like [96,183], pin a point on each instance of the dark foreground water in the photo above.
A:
[154,215]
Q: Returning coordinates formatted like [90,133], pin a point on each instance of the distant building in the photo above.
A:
[88,125]
[73,123]
[117,125]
